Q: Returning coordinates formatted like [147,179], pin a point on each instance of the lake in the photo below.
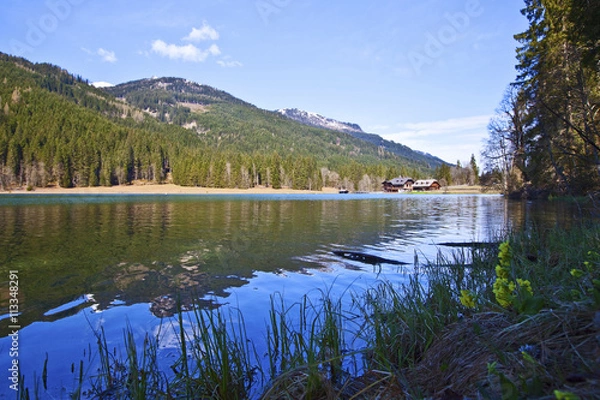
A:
[88,262]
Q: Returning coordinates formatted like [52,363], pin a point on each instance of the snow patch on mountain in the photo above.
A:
[319,121]
[102,84]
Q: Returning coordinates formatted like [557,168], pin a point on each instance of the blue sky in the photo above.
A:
[428,73]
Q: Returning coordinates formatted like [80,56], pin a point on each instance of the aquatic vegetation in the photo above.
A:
[216,356]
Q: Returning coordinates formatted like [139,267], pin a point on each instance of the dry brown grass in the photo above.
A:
[295,385]
[300,384]
[459,358]
[564,344]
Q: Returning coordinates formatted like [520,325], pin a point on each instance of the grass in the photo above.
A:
[415,340]
[306,347]
[216,360]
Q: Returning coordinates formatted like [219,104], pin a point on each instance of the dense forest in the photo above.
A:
[55,128]
[545,135]
[295,155]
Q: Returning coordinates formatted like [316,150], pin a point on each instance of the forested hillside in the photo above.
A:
[229,124]
[545,137]
[317,120]
[55,128]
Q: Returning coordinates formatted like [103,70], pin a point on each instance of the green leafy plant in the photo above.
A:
[511,293]
[587,279]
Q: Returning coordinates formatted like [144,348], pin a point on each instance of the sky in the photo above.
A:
[425,73]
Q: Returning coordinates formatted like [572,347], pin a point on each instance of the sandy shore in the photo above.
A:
[162,189]
[465,189]
[175,189]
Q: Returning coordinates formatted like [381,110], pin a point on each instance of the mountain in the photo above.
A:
[56,128]
[209,110]
[170,91]
[317,120]
[227,123]
[191,104]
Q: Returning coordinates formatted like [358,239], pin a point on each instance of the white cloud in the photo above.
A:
[451,140]
[204,33]
[107,56]
[192,53]
[451,125]
[229,64]
[188,52]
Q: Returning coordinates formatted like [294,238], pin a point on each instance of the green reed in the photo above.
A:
[216,357]
[306,345]
[128,373]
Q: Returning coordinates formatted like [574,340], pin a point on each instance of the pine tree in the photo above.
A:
[444,174]
[275,170]
[559,83]
[475,169]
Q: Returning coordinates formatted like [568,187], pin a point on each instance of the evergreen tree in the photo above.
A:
[275,171]
[443,173]
[475,169]
[558,78]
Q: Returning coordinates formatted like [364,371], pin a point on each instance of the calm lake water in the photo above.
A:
[86,262]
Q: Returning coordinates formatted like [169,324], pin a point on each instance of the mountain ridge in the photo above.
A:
[320,121]
[184,102]
[196,96]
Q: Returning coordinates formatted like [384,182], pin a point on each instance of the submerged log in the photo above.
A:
[366,258]
[470,244]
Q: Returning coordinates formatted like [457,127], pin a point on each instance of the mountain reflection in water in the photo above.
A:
[155,249]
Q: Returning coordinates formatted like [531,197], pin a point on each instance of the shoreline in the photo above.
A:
[170,188]
[158,189]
